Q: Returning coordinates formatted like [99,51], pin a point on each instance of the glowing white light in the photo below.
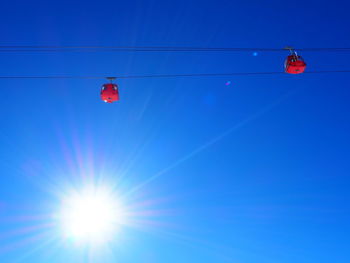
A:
[91,216]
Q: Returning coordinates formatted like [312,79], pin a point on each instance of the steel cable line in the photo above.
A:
[168,75]
[53,48]
[129,50]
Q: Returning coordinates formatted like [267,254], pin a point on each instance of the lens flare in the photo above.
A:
[92,216]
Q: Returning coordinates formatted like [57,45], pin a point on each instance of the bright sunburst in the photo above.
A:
[91,216]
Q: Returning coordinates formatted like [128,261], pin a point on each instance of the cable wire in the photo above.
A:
[53,48]
[169,75]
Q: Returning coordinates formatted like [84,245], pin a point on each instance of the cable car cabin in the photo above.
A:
[109,92]
[294,64]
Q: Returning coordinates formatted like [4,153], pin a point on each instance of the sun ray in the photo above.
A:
[209,143]
[92,214]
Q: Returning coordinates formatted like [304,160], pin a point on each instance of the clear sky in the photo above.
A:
[252,172]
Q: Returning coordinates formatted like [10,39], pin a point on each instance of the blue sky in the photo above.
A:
[256,171]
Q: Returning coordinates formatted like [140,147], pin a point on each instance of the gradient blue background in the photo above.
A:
[253,172]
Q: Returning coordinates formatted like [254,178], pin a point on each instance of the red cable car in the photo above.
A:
[109,92]
[294,64]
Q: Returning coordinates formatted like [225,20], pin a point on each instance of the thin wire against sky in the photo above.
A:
[164,75]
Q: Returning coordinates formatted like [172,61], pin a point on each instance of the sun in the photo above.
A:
[91,215]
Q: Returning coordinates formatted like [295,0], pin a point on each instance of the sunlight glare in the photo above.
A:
[92,216]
